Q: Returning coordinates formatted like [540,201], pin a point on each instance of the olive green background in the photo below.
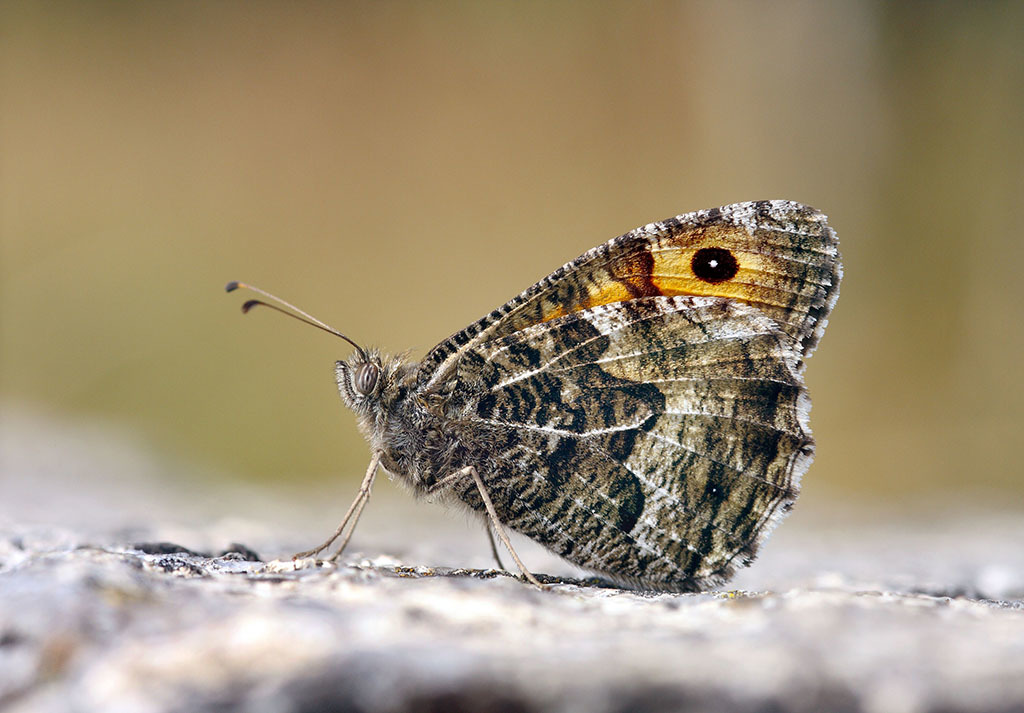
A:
[400,169]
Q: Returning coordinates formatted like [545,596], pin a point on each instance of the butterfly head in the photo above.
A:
[369,382]
[360,378]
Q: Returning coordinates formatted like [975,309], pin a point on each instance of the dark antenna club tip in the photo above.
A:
[295,312]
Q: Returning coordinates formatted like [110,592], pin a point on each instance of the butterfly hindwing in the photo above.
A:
[656,440]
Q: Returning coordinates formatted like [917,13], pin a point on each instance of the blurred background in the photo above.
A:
[400,169]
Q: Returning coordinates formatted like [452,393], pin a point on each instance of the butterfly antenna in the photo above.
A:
[295,313]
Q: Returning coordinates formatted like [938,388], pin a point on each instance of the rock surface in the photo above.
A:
[101,626]
[846,609]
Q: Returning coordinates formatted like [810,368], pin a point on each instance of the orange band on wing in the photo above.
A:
[668,271]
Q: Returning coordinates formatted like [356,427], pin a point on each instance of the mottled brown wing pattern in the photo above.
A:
[778,256]
[640,411]
[655,440]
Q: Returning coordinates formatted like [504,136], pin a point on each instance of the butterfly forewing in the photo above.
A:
[654,440]
[778,256]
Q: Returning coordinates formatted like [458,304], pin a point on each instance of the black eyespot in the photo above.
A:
[714,265]
[366,378]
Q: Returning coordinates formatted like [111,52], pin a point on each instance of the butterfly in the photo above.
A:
[641,411]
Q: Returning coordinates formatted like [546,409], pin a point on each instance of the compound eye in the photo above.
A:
[366,378]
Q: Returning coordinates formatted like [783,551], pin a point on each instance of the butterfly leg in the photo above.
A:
[446,482]
[494,545]
[354,511]
[498,527]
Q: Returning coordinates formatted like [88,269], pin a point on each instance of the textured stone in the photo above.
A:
[846,609]
[108,627]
